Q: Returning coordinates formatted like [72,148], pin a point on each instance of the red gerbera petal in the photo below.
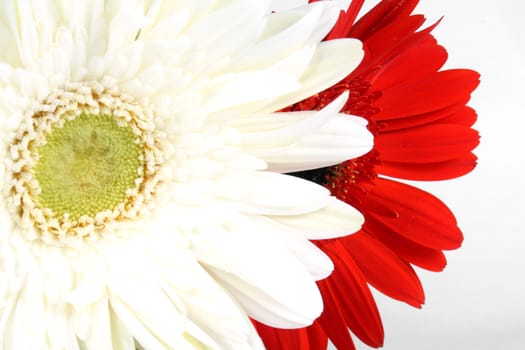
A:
[348,283]
[384,269]
[424,257]
[420,217]
[454,114]
[311,338]
[332,321]
[431,143]
[449,169]
[422,130]
[427,94]
[387,11]
[418,61]
[346,20]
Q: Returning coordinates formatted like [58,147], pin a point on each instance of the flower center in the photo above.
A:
[345,178]
[85,157]
[86,166]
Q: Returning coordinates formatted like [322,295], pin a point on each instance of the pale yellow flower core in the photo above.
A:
[85,159]
[87,166]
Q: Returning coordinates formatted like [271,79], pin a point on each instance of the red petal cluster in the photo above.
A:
[423,131]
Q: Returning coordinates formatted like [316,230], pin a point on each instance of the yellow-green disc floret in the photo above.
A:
[87,166]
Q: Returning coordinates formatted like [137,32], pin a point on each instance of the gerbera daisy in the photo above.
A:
[422,130]
[142,204]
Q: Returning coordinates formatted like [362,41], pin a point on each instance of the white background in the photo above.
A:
[478,302]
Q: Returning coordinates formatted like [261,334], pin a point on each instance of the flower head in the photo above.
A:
[142,202]
[422,131]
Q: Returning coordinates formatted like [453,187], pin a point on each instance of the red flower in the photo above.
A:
[422,130]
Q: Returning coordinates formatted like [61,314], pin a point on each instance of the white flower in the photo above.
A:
[142,203]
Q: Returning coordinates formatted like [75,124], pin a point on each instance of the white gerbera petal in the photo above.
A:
[326,71]
[100,336]
[256,275]
[335,219]
[298,141]
[280,39]
[226,23]
[29,309]
[281,5]
[246,87]
[317,150]
[315,260]
[253,192]
[141,204]
[122,338]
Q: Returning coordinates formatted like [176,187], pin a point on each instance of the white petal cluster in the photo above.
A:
[228,238]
